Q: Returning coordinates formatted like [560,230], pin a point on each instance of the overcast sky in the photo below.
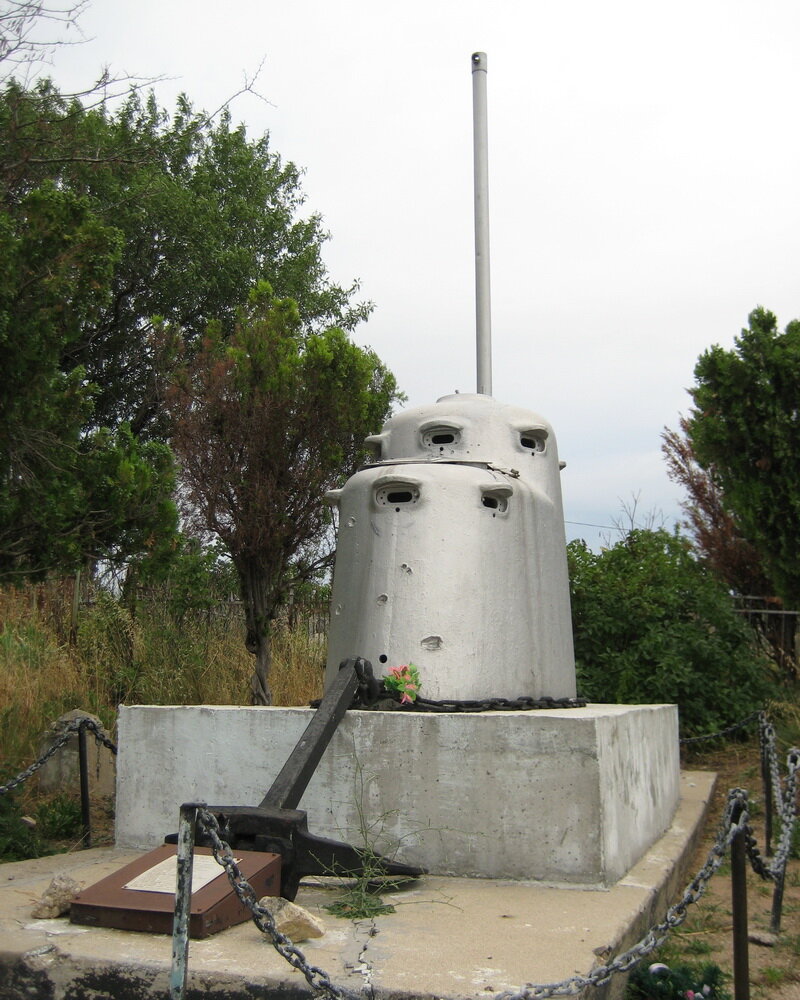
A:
[644,165]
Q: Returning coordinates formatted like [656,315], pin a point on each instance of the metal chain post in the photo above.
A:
[741,954]
[72,727]
[179,973]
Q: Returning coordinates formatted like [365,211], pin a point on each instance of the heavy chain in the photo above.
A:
[723,732]
[656,935]
[451,706]
[769,753]
[72,727]
[317,979]
[734,821]
[785,805]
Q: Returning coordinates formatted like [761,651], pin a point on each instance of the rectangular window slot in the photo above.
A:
[397,495]
[533,440]
[440,437]
[496,502]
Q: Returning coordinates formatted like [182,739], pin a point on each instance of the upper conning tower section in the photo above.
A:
[469,428]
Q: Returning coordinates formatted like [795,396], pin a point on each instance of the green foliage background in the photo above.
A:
[653,625]
[745,429]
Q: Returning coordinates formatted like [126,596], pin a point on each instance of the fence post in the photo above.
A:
[183,900]
[83,769]
[741,957]
[766,779]
[777,904]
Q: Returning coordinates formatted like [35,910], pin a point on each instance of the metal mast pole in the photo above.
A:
[483,294]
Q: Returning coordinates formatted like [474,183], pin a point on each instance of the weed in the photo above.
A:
[361,898]
[697,946]
[773,976]
[60,817]
[658,981]
[18,841]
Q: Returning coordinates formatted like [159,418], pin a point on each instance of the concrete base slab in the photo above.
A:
[449,937]
[565,795]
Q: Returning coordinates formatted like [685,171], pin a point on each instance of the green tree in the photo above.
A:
[264,423]
[202,213]
[109,218]
[745,430]
[652,624]
[68,491]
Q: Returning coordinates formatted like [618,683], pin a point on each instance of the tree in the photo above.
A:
[715,531]
[264,423]
[68,492]
[745,431]
[108,219]
[652,624]
[202,213]
[27,32]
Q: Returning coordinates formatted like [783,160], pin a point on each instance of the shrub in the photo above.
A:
[653,625]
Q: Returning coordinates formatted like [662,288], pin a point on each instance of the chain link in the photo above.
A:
[675,915]
[316,977]
[735,820]
[723,732]
[785,799]
[72,727]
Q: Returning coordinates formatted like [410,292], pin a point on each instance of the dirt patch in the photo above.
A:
[706,935]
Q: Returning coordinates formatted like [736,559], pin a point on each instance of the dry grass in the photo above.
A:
[50,664]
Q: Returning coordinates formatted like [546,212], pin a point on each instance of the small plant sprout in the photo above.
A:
[405,681]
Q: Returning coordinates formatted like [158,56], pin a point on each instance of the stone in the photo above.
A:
[61,771]
[57,898]
[291,919]
[765,939]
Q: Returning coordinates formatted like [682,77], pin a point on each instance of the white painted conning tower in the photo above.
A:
[451,554]
[451,551]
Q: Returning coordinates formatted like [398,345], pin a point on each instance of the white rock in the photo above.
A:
[291,919]
[57,898]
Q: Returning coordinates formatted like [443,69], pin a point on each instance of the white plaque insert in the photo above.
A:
[163,876]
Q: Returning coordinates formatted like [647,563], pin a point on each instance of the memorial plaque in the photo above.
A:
[141,896]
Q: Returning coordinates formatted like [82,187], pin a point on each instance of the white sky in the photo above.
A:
[643,188]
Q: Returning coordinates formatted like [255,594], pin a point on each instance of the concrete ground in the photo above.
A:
[449,937]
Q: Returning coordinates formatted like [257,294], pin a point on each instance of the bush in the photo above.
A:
[18,841]
[653,625]
[59,818]
[658,982]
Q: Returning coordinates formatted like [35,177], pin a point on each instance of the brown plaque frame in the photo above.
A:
[214,907]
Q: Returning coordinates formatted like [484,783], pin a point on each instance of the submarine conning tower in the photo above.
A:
[451,554]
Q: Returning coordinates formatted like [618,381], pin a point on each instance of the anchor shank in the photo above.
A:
[288,788]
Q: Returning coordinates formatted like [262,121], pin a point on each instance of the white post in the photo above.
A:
[483,295]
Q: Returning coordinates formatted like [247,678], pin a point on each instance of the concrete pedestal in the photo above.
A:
[571,796]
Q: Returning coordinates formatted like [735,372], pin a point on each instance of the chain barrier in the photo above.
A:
[317,978]
[729,731]
[71,727]
[785,800]
[676,914]
[735,821]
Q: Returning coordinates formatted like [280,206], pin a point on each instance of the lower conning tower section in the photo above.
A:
[451,554]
